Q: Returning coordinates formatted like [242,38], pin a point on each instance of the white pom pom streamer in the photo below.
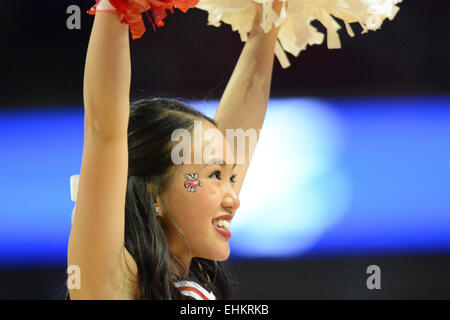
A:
[295,18]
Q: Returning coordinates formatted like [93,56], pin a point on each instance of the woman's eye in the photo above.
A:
[216,173]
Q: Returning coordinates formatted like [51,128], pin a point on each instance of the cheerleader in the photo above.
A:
[144,227]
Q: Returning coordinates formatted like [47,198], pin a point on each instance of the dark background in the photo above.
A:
[42,64]
[43,61]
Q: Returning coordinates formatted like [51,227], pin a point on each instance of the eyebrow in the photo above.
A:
[216,161]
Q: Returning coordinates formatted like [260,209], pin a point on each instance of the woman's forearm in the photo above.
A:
[107,76]
[243,104]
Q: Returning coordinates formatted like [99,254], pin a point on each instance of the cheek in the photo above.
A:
[209,195]
[203,204]
[206,203]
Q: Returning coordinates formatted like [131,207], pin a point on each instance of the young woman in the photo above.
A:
[145,227]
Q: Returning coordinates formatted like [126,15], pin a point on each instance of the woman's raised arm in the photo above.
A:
[107,75]
[243,104]
[96,244]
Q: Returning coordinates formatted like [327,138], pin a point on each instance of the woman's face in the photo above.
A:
[194,211]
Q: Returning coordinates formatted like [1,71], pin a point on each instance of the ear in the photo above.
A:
[158,207]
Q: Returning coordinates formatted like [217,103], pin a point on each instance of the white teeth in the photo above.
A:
[222,223]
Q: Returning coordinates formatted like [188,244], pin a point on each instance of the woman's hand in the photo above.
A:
[276,6]
[105,5]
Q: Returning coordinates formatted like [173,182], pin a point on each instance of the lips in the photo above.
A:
[223,232]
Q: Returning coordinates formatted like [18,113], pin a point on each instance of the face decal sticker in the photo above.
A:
[192,182]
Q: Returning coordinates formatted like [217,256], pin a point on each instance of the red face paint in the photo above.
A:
[192,182]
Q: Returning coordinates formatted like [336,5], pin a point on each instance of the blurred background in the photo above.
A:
[352,168]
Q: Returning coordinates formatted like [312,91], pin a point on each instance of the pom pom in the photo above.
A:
[131,12]
[296,31]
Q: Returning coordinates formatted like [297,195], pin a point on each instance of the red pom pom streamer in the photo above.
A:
[131,12]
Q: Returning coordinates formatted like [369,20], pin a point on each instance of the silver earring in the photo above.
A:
[157,209]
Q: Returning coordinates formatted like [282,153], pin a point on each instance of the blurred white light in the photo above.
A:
[294,189]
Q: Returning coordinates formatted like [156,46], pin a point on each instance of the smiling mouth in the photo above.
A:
[222,231]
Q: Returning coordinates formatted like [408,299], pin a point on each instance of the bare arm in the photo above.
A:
[244,102]
[97,237]
[107,75]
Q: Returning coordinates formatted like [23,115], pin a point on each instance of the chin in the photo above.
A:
[220,255]
[224,254]
[223,258]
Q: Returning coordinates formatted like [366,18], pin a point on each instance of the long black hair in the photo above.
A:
[152,121]
[150,169]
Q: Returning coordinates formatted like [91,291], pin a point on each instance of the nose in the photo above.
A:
[231,200]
